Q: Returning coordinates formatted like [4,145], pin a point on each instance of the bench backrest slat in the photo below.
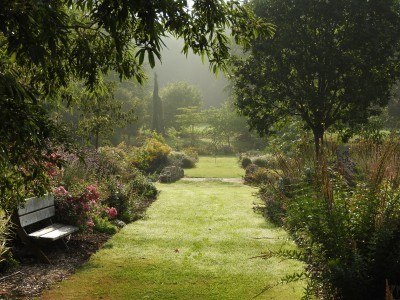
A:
[36,209]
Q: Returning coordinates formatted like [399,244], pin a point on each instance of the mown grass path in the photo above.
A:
[195,243]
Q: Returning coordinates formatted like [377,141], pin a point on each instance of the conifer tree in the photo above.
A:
[157,123]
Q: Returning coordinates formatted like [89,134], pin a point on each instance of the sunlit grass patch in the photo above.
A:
[219,167]
[197,242]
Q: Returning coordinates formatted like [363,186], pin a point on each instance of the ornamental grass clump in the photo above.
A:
[4,236]
[349,234]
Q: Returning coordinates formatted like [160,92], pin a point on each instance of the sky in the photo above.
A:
[176,67]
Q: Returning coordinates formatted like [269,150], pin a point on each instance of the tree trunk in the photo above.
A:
[96,142]
[318,143]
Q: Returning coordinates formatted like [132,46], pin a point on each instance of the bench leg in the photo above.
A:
[64,244]
[32,246]
[29,244]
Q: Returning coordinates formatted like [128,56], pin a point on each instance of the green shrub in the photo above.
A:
[275,204]
[142,187]
[245,162]
[104,225]
[181,159]
[131,198]
[256,175]
[151,157]
[261,162]
[118,197]
[349,233]
[353,237]
[5,258]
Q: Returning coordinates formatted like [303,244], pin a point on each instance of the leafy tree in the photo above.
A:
[138,107]
[101,114]
[224,124]
[27,144]
[96,114]
[158,115]
[133,97]
[44,45]
[330,62]
[187,118]
[392,114]
[178,95]
[82,39]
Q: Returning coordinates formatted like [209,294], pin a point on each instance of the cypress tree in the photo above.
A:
[158,122]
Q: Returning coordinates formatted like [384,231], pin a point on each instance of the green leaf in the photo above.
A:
[141,56]
[13,57]
[151,58]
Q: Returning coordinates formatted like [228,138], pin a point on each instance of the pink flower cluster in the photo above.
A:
[111,212]
[78,208]
[52,165]
[92,193]
[54,157]
[60,191]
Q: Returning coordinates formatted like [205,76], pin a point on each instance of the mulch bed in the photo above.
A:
[30,277]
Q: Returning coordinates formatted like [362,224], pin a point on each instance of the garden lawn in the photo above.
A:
[197,242]
[211,167]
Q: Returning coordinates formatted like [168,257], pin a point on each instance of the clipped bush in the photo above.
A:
[192,153]
[256,175]
[261,162]
[275,204]
[245,162]
[264,161]
[188,162]
[182,160]
[171,174]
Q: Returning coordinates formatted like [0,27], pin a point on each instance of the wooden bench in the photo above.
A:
[35,213]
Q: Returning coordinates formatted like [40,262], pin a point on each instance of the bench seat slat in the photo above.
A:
[39,233]
[35,203]
[37,216]
[54,231]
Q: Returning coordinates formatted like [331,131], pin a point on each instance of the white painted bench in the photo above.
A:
[37,210]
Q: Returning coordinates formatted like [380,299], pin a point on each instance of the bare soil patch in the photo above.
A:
[31,277]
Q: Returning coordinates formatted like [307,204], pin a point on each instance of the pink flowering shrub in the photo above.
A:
[60,191]
[84,209]
[111,212]
[77,208]
[53,164]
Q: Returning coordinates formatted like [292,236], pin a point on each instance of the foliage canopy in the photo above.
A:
[178,95]
[44,45]
[330,62]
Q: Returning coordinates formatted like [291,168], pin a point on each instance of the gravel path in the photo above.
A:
[202,179]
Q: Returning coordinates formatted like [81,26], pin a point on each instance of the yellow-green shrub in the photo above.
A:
[151,157]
